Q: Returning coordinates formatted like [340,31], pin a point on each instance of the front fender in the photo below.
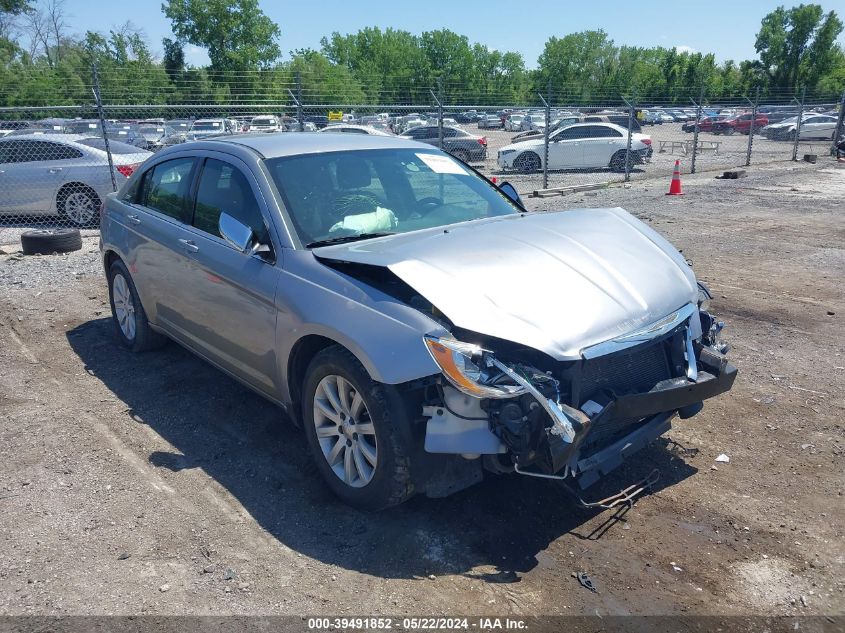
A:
[385,334]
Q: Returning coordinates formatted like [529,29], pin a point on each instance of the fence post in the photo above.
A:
[101,114]
[754,107]
[798,125]
[698,107]
[630,105]
[839,123]
[547,103]
[440,112]
[300,115]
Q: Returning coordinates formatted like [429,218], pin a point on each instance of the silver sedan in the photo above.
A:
[48,174]
[418,323]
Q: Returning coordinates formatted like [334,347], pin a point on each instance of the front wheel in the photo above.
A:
[358,432]
[527,162]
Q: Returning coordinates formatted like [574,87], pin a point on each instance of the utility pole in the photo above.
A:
[101,114]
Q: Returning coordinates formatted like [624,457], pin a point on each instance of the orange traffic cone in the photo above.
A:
[675,187]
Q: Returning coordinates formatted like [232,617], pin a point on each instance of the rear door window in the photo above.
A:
[166,188]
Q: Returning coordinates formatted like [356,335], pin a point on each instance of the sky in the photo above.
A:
[726,28]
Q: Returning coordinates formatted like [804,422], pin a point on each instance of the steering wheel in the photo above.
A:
[429,204]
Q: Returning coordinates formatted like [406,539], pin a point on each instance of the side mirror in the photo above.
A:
[510,191]
[235,232]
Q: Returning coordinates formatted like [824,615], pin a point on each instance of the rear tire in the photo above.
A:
[362,451]
[461,154]
[79,204]
[617,162]
[49,241]
[130,320]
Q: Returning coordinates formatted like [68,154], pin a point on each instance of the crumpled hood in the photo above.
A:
[556,282]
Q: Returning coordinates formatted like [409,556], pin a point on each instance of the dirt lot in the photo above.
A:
[153,484]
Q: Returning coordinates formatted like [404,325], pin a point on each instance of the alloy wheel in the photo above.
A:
[79,207]
[124,307]
[345,431]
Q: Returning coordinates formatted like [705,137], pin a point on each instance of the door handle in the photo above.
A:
[134,219]
[189,246]
[55,170]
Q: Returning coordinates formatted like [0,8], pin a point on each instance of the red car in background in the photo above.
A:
[705,125]
[740,123]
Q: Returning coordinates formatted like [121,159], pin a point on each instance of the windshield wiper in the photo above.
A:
[348,238]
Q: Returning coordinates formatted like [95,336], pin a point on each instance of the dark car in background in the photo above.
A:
[456,141]
[318,120]
[704,125]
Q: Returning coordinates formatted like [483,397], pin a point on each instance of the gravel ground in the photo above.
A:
[153,484]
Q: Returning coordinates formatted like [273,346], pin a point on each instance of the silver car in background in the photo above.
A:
[419,324]
[48,174]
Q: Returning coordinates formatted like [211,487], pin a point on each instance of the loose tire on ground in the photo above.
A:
[390,481]
[130,320]
[48,241]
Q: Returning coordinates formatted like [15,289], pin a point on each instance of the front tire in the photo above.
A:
[130,320]
[527,163]
[358,432]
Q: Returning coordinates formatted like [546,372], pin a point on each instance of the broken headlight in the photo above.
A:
[463,366]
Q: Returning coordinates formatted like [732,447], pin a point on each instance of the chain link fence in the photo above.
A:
[57,163]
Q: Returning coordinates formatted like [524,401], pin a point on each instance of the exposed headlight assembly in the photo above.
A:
[462,365]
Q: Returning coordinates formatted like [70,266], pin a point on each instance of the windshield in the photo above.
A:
[353,193]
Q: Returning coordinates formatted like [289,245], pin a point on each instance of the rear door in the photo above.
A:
[600,143]
[227,306]
[158,218]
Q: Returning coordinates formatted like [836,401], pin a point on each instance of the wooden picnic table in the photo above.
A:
[686,146]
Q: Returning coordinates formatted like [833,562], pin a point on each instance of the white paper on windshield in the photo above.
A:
[93,126]
[441,164]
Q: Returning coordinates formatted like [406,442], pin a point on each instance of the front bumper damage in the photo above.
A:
[585,431]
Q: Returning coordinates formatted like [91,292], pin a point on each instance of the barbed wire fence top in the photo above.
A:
[58,161]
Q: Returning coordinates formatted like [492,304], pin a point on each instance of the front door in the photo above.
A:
[228,306]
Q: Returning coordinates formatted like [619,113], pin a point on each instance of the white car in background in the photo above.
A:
[813,126]
[579,146]
[533,122]
[514,122]
[63,174]
[265,124]
[345,128]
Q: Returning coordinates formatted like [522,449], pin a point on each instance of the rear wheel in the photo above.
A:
[78,203]
[728,131]
[354,428]
[527,162]
[617,162]
[461,154]
[131,324]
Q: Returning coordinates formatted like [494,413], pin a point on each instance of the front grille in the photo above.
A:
[636,370]
[630,371]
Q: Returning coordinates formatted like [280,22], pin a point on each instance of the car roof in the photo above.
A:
[57,138]
[294,143]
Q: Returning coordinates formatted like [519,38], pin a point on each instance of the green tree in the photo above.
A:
[797,46]
[236,33]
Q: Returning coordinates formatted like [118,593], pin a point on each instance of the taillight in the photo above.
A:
[127,170]
[483,141]
[645,141]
